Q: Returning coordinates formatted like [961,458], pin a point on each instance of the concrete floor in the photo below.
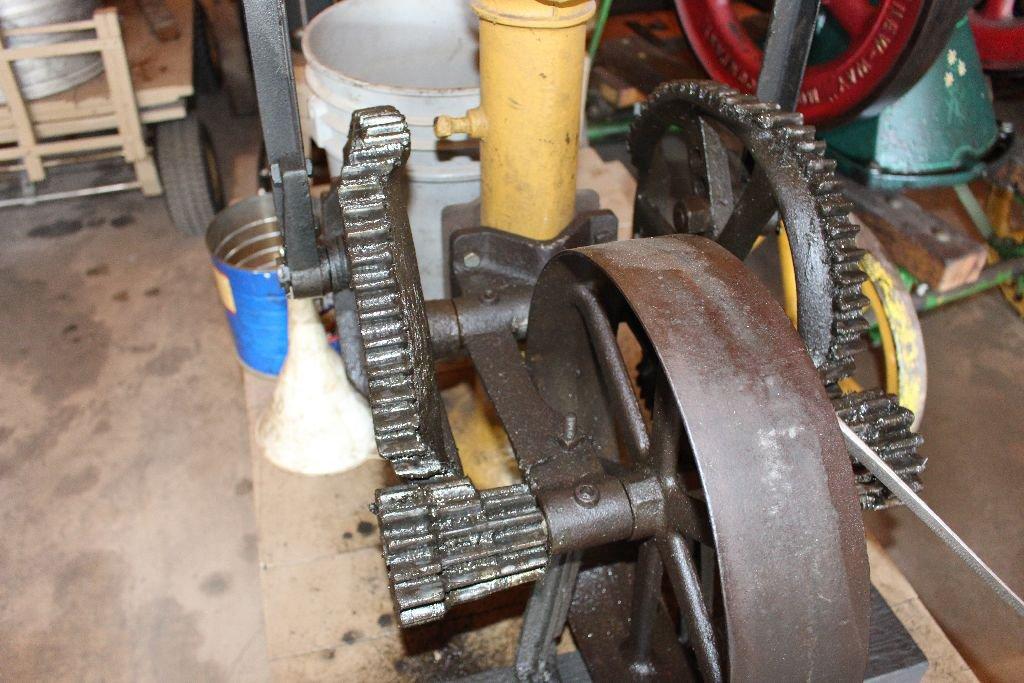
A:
[974,437]
[129,543]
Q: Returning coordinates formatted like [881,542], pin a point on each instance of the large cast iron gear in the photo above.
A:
[444,542]
[408,415]
[689,188]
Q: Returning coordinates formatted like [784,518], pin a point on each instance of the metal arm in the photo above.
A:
[785,56]
[267,24]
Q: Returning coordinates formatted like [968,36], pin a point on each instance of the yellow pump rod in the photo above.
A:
[528,122]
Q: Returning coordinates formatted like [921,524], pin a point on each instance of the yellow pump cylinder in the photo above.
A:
[528,122]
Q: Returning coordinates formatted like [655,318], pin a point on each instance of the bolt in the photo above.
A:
[568,435]
[284,276]
[519,326]
[471,260]
[587,495]
[488,296]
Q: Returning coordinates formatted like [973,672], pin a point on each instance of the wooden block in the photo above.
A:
[614,89]
[302,518]
[614,185]
[641,64]
[944,662]
[930,248]
[161,20]
[316,605]
[424,654]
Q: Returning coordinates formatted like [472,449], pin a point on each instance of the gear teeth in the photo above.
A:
[800,135]
[852,304]
[379,143]
[825,185]
[445,543]
[778,119]
[847,324]
[883,424]
[833,205]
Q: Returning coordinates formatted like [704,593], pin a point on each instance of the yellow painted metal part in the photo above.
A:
[899,329]
[999,208]
[528,122]
[788,275]
[902,343]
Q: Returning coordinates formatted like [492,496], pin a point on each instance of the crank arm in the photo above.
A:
[863,454]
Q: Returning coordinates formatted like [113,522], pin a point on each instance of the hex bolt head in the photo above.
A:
[471,260]
[488,296]
[586,495]
[284,276]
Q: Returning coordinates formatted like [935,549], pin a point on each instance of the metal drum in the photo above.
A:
[46,76]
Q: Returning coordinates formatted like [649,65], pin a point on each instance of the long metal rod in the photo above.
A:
[29,200]
[271,51]
[790,34]
[878,467]
[990,277]
[646,596]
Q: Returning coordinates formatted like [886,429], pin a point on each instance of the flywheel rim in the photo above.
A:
[807,634]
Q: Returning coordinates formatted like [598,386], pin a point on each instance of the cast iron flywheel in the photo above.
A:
[761,520]
[866,53]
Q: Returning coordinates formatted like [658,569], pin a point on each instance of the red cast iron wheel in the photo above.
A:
[998,27]
[833,91]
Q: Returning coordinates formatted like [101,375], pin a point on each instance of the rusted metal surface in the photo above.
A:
[687,183]
[774,477]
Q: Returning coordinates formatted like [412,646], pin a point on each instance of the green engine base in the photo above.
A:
[941,132]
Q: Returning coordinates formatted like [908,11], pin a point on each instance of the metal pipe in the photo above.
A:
[70,194]
[595,38]
[528,122]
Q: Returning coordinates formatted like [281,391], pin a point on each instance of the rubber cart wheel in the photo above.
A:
[188,170]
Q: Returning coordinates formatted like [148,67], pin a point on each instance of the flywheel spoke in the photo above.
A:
[666,431]
[715,174]
[855,16]
[613,371]
[752,211]
[646,597]
[686,585]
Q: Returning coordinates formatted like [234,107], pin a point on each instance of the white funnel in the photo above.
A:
[317,423]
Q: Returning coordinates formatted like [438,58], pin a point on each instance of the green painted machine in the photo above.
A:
[941,132]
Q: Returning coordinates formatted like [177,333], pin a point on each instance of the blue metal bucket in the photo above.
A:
[244,242]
